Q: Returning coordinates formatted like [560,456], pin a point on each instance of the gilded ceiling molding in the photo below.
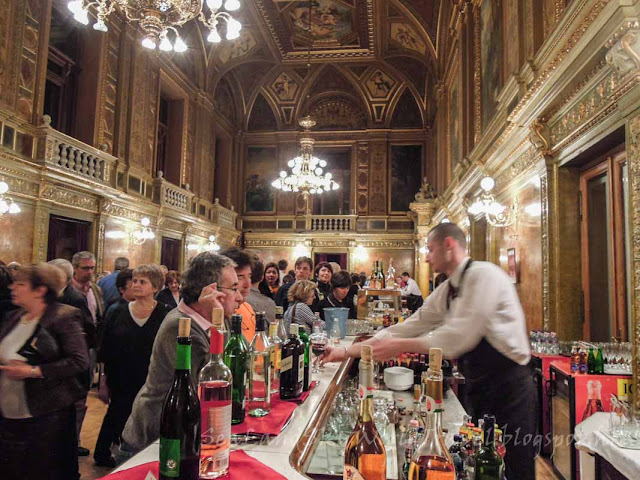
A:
[624,49]
[552,66]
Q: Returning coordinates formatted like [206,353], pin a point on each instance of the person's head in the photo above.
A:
[302,291]
[84,266]
[355,279]
[335,267]
[257,272]
[172,281]
[66,267]
[6,278]
[244,262]
[13,267]
[304,267]
[363,278]
[209,268]
[147,281]
[446,245]
[288,279]
[406,276]
[282,265]
[401,282]
[271,274]
[164,269]
[120,264]
[124,284]
[323,272]
[340,283]
[35,285]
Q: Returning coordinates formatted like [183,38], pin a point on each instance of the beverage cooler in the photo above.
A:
[573,398]
[541,364]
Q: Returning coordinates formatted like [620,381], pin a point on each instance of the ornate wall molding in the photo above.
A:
[624,48]
[121,211]
[67,198]
[544,223]
[477,75]
[523,163]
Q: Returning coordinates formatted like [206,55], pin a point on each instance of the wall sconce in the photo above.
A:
[212,246]
[6,204]
[301,250]
[497,215]
[138,237]
[533,209]
[193,246]
[115,234]
[360,254]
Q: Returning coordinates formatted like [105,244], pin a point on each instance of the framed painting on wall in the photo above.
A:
[490,48]
[406,176]
[512,265]
[262,168]
[455,134]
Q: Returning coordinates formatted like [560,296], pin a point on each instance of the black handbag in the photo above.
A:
[42,347]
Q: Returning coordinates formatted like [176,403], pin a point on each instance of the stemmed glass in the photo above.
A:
[319,342]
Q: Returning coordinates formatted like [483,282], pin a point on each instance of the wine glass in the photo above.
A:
[318,345]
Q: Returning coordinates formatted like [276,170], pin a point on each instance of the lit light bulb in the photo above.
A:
[4,187]
[100,26]
[318,171]
[149,43]
[335,186]
[214,4]
[283,174]
[14,208]
[323,163]
[4,207]
[145,222]
[487,184]
[214,37]
[82,16]
[291,163]
[75,6]
[233,29]
[329,176]
[180,46]
[231,5]
[165,45]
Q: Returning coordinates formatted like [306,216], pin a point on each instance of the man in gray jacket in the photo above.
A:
[209,282]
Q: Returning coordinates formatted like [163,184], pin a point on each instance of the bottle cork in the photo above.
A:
[217,318]
[366,353]
[294,329]
[184,327]
[279,310]
[435,358]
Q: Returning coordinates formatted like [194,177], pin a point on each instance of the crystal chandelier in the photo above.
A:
[497,215]
[306,170]
[158,17]
[6,204]
[138,237]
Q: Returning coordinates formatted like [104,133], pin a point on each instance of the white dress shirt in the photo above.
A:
[411,288]
[487,306]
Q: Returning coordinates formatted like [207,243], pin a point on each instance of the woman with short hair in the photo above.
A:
[323,274]
[42,351]
[170,295]
[339,296]
[301,295]
[126,353]
[271,279]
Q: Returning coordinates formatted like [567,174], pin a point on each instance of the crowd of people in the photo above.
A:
[62,333]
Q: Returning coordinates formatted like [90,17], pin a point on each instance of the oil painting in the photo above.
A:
[455,137]
[262,168]
[285,87]
[406,175]
[407,38]
[379,84]
[330,20]
[490,51]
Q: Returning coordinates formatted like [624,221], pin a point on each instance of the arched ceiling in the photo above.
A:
[382,49]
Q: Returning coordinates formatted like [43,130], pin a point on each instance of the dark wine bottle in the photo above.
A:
[180,418]
[291,375]
[236,357]
[488,462]
[306,343]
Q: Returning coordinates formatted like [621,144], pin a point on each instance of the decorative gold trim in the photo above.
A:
[477,76]
[544,224]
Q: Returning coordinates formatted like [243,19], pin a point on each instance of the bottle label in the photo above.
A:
[170,457]
[352,473]
[216,422]
[365,392]
[278,358]
[287,364]
[432,405]
[183,357]
[301,367]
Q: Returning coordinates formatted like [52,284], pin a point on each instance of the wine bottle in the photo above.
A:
[259,404]
[276,357]
[417,410]
[292,367]
[180,418]
[380,275]
[489,463]
[304,338]
[364,455]
[236,357]
[214,389]
[282,328]
[373,279]
[434,385]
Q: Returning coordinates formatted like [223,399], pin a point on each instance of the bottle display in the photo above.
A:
[260,352]
[591,361]
[575,360]
[459,456]
[391,275]
[488,462]
[432,458]
[304,338]
[365,456]
[236,357]
[380,275]
[180,417]
[276,357]
[214,390]
[292,367]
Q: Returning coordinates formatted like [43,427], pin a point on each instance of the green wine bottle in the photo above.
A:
[488,462]
[236,357]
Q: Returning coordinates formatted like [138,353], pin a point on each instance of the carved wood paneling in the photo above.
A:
[378,178]
[362,178]
[109,88]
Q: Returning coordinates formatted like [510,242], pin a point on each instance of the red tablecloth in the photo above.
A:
[241,467]
[272,424]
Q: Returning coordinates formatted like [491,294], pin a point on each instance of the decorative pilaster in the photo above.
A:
[41,231]
[422,210]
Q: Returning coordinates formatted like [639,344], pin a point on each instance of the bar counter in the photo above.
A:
[290,452]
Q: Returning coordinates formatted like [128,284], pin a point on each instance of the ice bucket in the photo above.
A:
[341,314]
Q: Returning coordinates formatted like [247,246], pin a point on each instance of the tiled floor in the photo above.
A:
[93,421]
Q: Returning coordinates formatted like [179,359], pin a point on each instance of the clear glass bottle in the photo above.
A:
[417,411]
[489,463]
[276,357]
[260,350]
[434,379]
[236,357]
[282,328]
[214,390]
[364,455]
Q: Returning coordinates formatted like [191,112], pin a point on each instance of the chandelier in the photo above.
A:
[6,204]
[306,170]
[497,215]
[138,237]
[158,17]
[212,246]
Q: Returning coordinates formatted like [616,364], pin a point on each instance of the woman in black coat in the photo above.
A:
[170,294]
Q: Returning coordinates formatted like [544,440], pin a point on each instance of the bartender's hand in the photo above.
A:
[333,354]
[390,348]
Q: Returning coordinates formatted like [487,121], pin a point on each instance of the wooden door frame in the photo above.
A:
[619,250]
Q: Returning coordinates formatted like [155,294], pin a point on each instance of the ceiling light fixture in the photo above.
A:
[158,17]
[496,214]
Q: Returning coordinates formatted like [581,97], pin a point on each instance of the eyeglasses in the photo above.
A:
[87,268]
[233,289]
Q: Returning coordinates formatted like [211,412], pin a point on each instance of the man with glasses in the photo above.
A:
[84,266]
[209,282]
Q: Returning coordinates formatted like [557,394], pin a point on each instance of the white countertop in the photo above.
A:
[275,451]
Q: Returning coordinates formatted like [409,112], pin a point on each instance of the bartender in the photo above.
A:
[476,317]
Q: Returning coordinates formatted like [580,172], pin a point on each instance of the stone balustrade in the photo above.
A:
[167,194]
[331,223]
[223,216]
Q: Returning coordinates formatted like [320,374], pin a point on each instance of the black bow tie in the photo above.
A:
[453,291]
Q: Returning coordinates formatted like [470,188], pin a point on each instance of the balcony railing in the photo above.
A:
[65,153]
[223,216]
[167,194]
[331,223]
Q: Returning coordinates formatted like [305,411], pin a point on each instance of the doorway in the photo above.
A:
[170,253]
[603,202]
[339,258]
[66,237]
